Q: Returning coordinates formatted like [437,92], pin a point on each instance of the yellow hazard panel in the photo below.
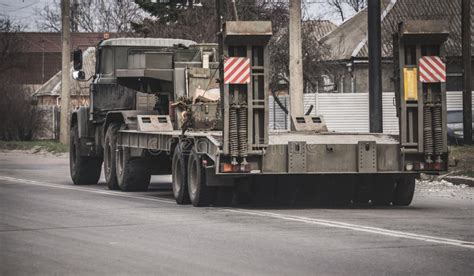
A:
[410,77]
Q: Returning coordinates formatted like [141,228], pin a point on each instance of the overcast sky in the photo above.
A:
[23,11]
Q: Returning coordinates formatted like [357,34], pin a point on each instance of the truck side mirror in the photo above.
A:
[77,64]
[79,75]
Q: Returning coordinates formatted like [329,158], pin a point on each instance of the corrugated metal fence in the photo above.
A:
[347,112]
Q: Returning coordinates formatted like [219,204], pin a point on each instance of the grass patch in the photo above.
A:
[44,145]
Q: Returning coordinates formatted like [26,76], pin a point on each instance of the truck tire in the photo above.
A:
[133,174]
[199,193]
[110,146]
[179,176]
[84,170]
[404,191]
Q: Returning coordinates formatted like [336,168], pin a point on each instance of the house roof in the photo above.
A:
[320,27]
[53,86]
[347,37]
[38,42]
[350,39]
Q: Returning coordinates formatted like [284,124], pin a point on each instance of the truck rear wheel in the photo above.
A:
[404,191]
[199,193]
[180,176]
[110,145]
[133,174]
[84,170]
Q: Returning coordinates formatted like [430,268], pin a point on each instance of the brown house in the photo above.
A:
[40,54]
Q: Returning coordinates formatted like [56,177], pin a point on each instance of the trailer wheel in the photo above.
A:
[110,146]
[133,174]
[180,176]
[404,191]
[199,193]
[84,170]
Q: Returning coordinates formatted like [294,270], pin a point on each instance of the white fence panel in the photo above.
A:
[277,117]
[349,112]
[344,112]
[390,119]
[454,100]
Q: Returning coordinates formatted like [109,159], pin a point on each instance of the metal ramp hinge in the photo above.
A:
[367,156]
[297,157]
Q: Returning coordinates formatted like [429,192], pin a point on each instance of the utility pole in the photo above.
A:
[296,60]
[65,72]
[466,57]
[375,67]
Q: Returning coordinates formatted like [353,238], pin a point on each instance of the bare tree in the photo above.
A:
[343,7]
[92,16]
[338,7]
[357,5]
[20,120]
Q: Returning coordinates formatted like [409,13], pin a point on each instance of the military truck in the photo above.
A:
[200,112]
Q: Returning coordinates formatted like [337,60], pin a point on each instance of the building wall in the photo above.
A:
[355,79]
[37,68]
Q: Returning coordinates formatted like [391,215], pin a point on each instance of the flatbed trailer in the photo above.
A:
[287,152]
[362,163]
[208,124]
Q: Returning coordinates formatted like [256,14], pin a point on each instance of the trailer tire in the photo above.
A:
[179,176]
[404,191]
[110,147]
[199,193]
[84,170]
[133,174]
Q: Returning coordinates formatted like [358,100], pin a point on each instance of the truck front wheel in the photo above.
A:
[110,146]
[84,170]
[199,193]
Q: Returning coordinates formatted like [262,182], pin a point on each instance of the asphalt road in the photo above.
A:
[49,226]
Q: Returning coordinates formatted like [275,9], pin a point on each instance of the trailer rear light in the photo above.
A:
[229,168]
[226,167]
[437,166]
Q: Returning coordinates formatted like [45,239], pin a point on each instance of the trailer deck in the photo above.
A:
[289,152]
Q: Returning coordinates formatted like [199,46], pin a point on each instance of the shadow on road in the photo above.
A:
[317,196]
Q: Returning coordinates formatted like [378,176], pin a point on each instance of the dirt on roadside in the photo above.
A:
[461,160]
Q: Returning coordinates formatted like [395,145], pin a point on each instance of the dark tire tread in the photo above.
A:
[180,159]
[403,195]
[136,172]
[84,170]
[110,173]
[205,195]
